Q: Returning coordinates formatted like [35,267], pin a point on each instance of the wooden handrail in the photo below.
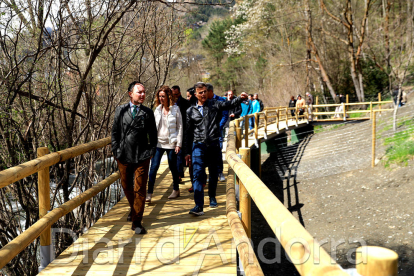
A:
[21,171]
[10,250]
[277,216]
[247,256]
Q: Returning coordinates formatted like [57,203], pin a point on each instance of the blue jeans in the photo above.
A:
[219,154]
[155,164]
[180,163]
[204,156]
[251,123]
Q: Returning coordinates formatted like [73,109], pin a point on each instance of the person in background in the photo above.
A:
[300,104]
[170,138]
[404,98]
[256,97]
[339,110]
[292,103]
[251,119]
[256,106]
[309,102]
[190,95]
[134,141]
[246,108]
[398,100]
[223,119]
[235,112]
[201,143]
[183,104]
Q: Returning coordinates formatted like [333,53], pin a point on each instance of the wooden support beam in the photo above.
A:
[43,187]
[374,139]
[376,261]
[246,131]
[256,125]
[245,201]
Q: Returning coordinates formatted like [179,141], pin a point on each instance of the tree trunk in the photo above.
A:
[310,43]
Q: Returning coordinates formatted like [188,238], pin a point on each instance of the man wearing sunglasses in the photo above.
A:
[202,145]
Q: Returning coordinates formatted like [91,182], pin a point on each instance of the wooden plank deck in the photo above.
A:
[203,244]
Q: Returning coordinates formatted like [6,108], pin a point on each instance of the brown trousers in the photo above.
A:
[134,182]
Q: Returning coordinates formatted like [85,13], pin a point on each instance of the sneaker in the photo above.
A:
[148,199]
[197,211]
[221,177]
[213,202]
[138,228]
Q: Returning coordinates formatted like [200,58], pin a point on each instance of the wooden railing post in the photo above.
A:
[373,139]
[265,123]
[379,99]
[344,111]
[297,116]
[277,120]
[347,101]
[246,131]
[245,200]
[376,261]
[256,125]
[370,109]
[238,135]
[287,122]
[46,248]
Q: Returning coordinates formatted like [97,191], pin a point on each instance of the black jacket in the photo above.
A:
[183,104]
[133,140]
[261,105]
[292,103]
[237,110]
[205,129]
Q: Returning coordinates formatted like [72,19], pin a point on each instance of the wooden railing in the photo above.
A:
[251,186]
[47,219]
[295,239]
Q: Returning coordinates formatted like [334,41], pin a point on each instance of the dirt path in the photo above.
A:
[327,183]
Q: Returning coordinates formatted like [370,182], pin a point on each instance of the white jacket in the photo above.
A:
[175,124]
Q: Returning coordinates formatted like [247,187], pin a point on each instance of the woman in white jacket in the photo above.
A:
[170,136]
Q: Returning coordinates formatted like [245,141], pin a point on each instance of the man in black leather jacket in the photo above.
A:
[201,144]
[134,139]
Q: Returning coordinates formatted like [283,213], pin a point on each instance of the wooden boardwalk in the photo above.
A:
[177,243]
[203,244]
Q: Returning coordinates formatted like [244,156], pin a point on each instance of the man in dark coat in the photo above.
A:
[235,112]
[134,139]
[202,144]
[183,104]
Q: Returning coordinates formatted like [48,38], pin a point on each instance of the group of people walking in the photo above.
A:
[299,103]
[189,131]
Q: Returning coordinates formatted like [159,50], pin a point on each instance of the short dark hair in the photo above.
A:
[132,85]
[209,87]
[251,95]
[199,85]
[176,87]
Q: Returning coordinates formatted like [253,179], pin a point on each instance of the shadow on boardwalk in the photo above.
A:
[279,174]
